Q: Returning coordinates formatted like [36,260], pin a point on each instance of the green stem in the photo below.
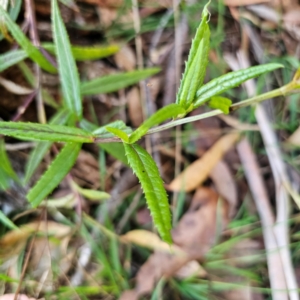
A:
[283,91]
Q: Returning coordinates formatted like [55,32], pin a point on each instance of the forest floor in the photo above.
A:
[235,221]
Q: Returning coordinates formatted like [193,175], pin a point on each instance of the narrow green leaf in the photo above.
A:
[6,221]
[90,194]
[115,82]
[43,132]
[86,53]
[146,170]
[66,64]
[114,149]
[119,133]
[102,132]
[170,111]
[42,148]
[26,45]
[229,81]
[10,58]
[5,163]
[221,103]
[6,171]
[195,69]
[56,172]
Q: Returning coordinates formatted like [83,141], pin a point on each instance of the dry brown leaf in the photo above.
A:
[295,138]
[194,236]
[86,171]
[195,232]
[135,107]
[125,58]
[148,239]
[243,2]
[199,170]
[12,297]
[14,241]
[225,185]
[292,16]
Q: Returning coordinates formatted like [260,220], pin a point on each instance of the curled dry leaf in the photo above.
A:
[295,138]
[225,185]
[193,237]
[125,58]
[12,297]
[199,170]
[86,170]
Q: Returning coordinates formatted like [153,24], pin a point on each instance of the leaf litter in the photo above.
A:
[197,232]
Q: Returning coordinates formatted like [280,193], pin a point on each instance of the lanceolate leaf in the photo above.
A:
[43,132]
[167,112]
[67,68]
[86,53]
[102,132]
[10,58]
[195,69]
[115,82]
[23,41]
[6,221]
[56,172]
[146,170]
[42,148]
[230,80]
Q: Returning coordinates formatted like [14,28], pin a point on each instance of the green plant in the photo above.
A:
[63,127]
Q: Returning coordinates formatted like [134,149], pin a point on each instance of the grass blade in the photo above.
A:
[115,82]
[26,45]
[56,172]
[230,80]
[167,112]
[10,58]
[86,53]
[43,132]
[146,170]
[6,221]
[66,64]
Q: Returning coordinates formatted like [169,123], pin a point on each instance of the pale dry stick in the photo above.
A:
[281,182]
[35,39]
[259,194]
[280,177]
[19,146]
